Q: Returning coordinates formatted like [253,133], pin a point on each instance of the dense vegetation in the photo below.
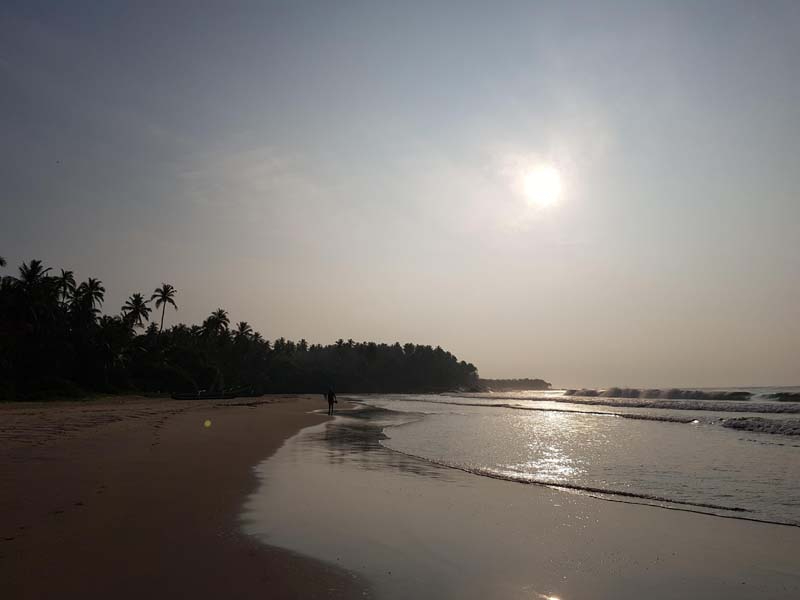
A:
[54,342]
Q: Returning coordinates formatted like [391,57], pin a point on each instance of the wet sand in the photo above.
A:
[137,498]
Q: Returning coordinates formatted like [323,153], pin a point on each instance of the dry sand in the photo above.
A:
[136,498]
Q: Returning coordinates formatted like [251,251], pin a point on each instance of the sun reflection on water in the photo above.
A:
[548,454]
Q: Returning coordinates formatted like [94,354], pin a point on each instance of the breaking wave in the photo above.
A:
[710,405]
[704,405]
[669,394]
[761,425]
[639,417]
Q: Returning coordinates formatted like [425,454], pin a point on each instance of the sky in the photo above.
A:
[330,170]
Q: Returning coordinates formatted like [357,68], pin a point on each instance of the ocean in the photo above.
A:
[539,495]
[682,455]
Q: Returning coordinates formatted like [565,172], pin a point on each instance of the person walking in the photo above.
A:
[331,396]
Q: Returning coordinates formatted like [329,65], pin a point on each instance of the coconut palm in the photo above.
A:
[65,285]
[163,296]
[136,311]
[217,322]
[32,274]
[243,331]
[90,294]
[36,288]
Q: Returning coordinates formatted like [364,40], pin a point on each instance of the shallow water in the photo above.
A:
[677,458]
[416,529]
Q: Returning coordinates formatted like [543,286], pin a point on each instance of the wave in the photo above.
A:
[638,417]
[784,396]
[788,427]
[714,405]
[600,493]
[710,405]
[670,394]
[761,425]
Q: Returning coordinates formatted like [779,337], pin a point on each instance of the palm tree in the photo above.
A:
[37,289]
[243,330]
[91,294]
[163,296]
[217,322]
[65,284]
[33,273]
[136,311]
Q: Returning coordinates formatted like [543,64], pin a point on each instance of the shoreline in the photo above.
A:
[421,529]
[133,497]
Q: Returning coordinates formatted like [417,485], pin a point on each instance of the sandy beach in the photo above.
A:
[134,497]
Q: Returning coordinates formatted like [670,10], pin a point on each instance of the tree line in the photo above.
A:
[55,342]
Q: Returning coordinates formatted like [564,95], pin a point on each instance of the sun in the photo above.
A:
[542,185]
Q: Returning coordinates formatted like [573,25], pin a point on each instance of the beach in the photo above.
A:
[134,497]
[400,300]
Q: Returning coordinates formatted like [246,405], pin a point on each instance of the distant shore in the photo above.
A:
[132,497]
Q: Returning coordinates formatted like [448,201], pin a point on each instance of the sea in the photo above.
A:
[733,458]
[537,494]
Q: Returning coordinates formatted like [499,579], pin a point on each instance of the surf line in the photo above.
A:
[601,494]
[637,417]
[566,486]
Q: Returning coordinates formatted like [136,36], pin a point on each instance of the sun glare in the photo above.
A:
[542,185]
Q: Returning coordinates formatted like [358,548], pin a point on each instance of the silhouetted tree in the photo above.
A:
[89,295]
[243,331]
[65,283]
[217,323]
[163,296]
[33,274]
[136,311]
[54,342]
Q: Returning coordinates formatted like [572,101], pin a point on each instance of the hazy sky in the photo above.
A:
[353,169]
